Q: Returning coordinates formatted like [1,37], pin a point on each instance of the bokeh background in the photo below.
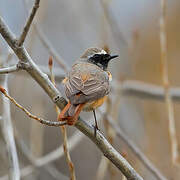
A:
[128,28]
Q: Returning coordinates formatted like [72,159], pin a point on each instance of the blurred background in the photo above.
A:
[64,29]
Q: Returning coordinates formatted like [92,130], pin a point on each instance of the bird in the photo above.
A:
[87,84]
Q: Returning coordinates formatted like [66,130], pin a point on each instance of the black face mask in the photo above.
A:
[102,60]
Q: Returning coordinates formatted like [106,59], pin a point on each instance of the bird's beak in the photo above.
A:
[112,57]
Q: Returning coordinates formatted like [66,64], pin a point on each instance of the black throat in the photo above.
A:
[101,60]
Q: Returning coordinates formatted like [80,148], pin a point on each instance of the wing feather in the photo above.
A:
[88,89]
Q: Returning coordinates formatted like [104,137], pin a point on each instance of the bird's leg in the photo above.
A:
[61,115]
[96,124]
[73,120]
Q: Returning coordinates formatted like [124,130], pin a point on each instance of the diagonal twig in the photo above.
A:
[28,23]
[40,120]
[47,44]
[63,130]
[136,150]
[62,63]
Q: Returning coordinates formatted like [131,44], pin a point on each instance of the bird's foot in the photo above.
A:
[69,119]
[96,128]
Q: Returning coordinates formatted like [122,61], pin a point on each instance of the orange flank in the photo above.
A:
[95,104]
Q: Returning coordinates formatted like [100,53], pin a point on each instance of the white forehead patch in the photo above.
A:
[102,52]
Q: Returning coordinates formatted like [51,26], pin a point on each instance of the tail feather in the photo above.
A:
[69,111]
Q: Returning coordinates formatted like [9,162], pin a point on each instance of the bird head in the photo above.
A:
[98,57]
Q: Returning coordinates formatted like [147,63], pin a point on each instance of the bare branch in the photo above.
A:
[62,63]
[145,90]
[54,94]
[40,120]
[28,23]
[74,140]
[7,129]
[136,150]
[24,148]
[10,69]
[47,44]
[168,99]
[117,34]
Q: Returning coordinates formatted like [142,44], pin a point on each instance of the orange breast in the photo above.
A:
[94,104]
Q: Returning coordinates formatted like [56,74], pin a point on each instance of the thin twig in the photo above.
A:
[136,150]
[54,94]
[62,63]
[74,140]
[141,89]
[40,120]
[7,129]
[28,23]
[24,148]
[117,34]
[168,99]
[47,44]
[63,130]
[102,168]
[10,69]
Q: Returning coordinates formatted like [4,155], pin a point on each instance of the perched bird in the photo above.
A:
[87,84]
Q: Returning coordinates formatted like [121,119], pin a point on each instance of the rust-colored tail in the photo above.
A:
[70,113]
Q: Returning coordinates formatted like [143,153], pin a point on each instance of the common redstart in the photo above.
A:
[87,84]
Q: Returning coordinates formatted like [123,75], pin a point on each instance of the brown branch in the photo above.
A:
[54,94]
[63,131]
[28,23]
[40,120]
[168,99]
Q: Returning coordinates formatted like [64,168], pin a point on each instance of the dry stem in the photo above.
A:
[139,154]
[7,129]
[63,131]
[28,23]
[47,44]
[24,148]
[74,140]
[168,99]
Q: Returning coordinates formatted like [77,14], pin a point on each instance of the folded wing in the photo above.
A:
[86,82]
